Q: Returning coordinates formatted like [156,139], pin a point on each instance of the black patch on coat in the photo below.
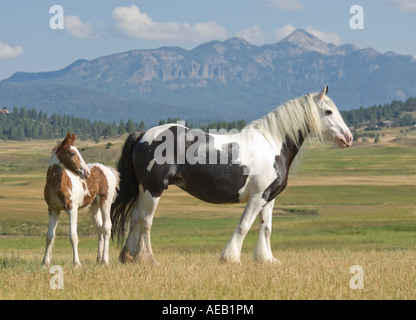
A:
[281,165]
[211,182]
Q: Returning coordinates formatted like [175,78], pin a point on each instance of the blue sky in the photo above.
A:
[97,28]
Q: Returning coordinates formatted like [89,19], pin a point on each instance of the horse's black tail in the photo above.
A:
[128,192]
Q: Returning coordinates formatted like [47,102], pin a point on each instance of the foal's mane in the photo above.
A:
[295,119]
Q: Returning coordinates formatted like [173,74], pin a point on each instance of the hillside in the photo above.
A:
[214,81]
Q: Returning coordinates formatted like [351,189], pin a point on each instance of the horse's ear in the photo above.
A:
[322,94]
[74,137]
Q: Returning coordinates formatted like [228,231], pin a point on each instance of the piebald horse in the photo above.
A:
[72,184]
[251,166]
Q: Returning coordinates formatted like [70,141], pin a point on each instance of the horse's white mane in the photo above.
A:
[295,116]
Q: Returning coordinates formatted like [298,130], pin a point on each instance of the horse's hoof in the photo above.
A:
[267,260]
[228,260]
[125,257]
[102,263]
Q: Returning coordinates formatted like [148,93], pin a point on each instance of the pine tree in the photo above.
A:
[130,127]
[121,127]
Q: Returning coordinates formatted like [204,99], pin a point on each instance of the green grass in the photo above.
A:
[348,195]
[368,161]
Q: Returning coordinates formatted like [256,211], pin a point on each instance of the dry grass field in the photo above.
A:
[303,274]
[341,208]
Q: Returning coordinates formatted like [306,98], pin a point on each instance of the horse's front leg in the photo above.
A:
[232,250]
[263,250]
[73,235]
[50,236]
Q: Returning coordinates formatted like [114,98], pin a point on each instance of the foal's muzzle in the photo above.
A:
[85,172]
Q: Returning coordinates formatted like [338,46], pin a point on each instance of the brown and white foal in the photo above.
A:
[72,184]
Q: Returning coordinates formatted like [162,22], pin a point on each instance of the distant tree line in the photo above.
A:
[22,123]
[240,124]
[400,113]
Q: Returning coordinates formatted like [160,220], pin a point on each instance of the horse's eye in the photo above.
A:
[72,154]
[328,112]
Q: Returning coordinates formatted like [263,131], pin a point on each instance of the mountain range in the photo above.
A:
[218,80]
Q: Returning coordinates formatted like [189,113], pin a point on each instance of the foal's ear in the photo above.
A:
[322,94]
[66,143]
[74,137]
[67,138]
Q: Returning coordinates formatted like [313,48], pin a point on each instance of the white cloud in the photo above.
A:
[8,52]
[78,29]
[252,34]
[404,5]
[131,22]
[284,31]
[326,36]
[286,5]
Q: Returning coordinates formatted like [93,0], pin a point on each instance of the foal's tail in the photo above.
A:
[128,191]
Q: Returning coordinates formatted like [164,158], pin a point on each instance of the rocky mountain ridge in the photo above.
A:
[216,80]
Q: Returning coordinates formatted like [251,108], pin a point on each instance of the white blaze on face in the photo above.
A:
[85,171]
[333,126]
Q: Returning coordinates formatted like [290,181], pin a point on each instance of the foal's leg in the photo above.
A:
[106,228]
[50,236]
[146,215]
[232,250]
[263,251]
[95,214]
[73,235]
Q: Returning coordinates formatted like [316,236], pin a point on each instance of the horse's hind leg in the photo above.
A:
[50,236]
[146,215]
[130,249]
[138,244]
[263,251]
